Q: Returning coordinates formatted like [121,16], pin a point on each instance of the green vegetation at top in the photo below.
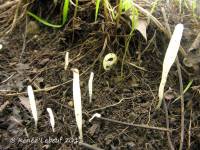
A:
[124,5]
[64,16]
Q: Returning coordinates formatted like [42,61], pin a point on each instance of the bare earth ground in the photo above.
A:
[38,60]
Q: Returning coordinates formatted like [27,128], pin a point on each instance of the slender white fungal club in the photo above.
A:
[66,60]
[32,104]
[52,120]
[77,101]
[169,59]
[95,115]
[90,83]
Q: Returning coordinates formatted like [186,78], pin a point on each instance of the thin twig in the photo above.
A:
[8,4]
[3,106]
[136,125]
[88,146]
[182,104]
[108,106]
[7,78]
[24,41]
[167,124]
[15,17]
[36,91]
[189,130]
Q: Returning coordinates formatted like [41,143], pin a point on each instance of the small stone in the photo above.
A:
[81,83]
[130,145]
[44,61]
[132,116]
[32,28]
[71,103]
[93,129]
[1,46]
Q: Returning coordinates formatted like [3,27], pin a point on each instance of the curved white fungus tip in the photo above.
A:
[169,59]
[90,86]
[66,60]
[32,103]
[95,115]
[77,101]
[180,26]
[52,121]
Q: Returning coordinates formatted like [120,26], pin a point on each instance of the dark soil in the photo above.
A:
[130,96]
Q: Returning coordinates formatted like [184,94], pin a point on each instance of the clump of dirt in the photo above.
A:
[126,97]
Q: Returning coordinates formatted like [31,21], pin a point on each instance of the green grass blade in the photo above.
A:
[43,21]
[155,4]
[64,19]
[65,11]
[76,9]
[185,90]
[119,11]
[97,9]
[120,6]
[126,5]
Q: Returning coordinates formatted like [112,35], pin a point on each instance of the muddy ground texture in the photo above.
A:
[128,96]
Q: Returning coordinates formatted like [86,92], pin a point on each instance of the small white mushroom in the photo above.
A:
[77,101]
[32,103]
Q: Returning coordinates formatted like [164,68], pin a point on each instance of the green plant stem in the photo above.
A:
[182,104]
[126,50]
[119,11]
[76,9]
[105,9]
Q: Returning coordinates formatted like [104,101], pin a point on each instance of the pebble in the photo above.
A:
[32,28]
[71,103]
